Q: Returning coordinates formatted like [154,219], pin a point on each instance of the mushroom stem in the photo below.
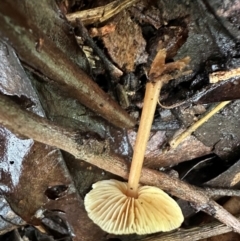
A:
[149,105]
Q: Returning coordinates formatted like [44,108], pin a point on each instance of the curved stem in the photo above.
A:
[149,106]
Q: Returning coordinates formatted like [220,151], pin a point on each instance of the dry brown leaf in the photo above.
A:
[126,45]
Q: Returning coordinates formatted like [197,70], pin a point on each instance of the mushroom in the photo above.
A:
[126,208]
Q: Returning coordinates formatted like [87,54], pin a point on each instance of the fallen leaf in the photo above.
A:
[126,45]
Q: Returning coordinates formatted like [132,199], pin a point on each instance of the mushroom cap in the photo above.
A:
[110,208]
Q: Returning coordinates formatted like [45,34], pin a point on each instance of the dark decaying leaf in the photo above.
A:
[227,13]
[30,169]
[226,137]
[8,219]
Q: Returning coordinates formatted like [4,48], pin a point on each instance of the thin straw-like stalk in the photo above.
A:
[149,106]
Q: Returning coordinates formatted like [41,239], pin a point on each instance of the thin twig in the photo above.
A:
[223,75]
[97,153]
[213,78]
[100,14]
[178,139]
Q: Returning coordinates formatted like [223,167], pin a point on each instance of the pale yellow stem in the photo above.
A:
[177,140]
[149,106]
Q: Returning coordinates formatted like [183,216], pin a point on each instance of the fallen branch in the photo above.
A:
[201,232]
[100,14]
[98,153]
[36,49]
[220,192]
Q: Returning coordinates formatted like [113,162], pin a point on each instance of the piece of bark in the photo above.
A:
[113,70]
[53,63]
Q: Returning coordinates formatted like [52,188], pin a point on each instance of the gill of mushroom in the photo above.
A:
[125,208]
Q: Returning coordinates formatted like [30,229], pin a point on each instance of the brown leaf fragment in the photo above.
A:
[170,37]
[126,45]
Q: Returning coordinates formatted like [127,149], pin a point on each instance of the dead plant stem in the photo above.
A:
[149,106]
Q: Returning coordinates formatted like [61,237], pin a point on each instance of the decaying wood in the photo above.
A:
[97,153]
[100,14]
[197,233]
[25,37]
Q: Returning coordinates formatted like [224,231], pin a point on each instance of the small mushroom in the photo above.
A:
[109,206]
[126,208]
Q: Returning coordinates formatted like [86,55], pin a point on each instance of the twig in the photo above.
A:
[178,139]
[100,14]
[53,63]
[212,192]
[223,75]
[213,78]
[97,153]
[113,70]
[201,232]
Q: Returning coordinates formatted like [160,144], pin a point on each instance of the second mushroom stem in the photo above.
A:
[149,105]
